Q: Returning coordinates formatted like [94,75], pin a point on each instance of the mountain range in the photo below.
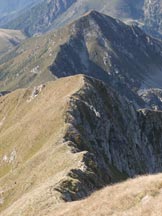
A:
[67,138]
[47,15]
[96,45]
[80,108]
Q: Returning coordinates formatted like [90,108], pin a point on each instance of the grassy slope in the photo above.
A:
[27,65]
[33,131]
[31,137]
[9,38]
[141,196]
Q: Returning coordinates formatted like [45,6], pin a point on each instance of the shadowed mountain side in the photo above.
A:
[73,136]
[96,45]
[49,15]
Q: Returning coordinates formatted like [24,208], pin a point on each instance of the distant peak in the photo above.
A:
[95,14]
[92,12]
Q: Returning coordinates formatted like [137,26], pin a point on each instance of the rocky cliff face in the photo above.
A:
[90,134]
[96,45]
[152,97]
[54,14]
[120,142]
[106,125]
[107,49]
[40,18]
[152,17]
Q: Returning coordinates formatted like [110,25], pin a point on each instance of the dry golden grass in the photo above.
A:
[137,197]
[34,130]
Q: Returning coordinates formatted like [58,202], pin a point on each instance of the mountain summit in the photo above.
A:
[96,45]
[80,109]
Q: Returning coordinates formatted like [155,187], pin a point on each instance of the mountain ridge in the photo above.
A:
[81,111]
[96,45]
[144,13]
[91,135]
[140,196]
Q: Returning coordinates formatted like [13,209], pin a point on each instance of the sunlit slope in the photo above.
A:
[33,155]
[96,45]
[9,39]
[141,196]
[64,140]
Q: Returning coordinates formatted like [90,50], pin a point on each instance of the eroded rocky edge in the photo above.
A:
[107,137]
[116,140]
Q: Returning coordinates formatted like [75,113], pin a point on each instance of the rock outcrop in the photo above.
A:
[96,45]
[76,136]
[140,196]
[53,14]
[106,125]
[152,17]
[123,56]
